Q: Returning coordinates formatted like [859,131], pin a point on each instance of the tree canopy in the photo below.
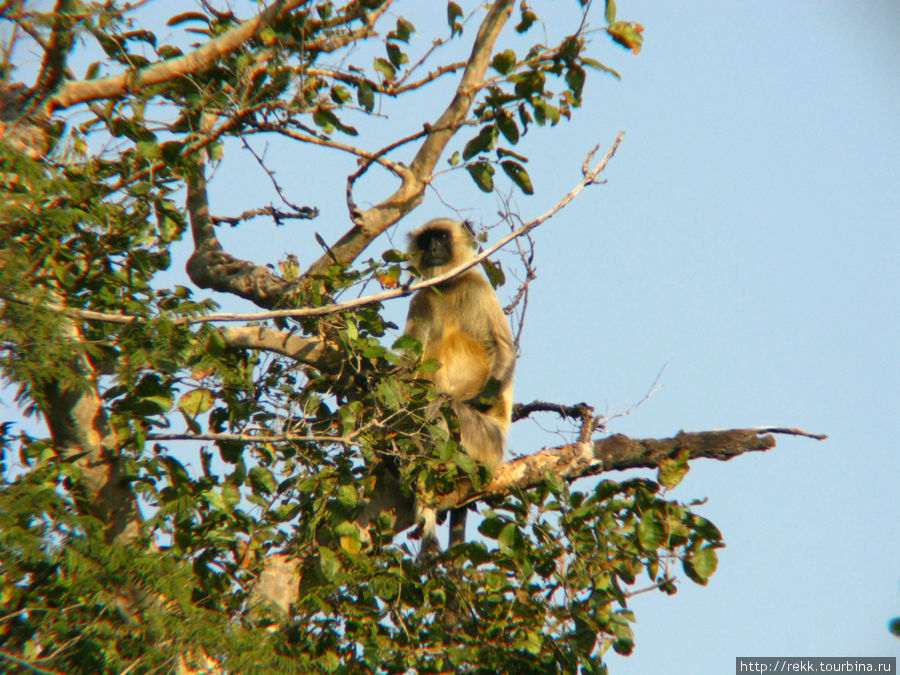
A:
[221,492]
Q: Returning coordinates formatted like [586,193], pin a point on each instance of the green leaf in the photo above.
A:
[628,34]
[384,67]
[575,79]
[148,149]
[196,402]
[504,62]
[894,626]
[285,512]
[215,500]
[508,536]
[508,127]
[505,152]
[650,531]
[481,143]
[365,95]
[231,495]
[494,273]
[340,94]
[187,16]
[347,495]
[491,527]
[518,175]
[328,121]
[454,14]
[331,566]
[701,565]
[610,11]
[527,19]
[673,469]
[403,31]
[262,481]
[215,344]
[396,55]
[483,175]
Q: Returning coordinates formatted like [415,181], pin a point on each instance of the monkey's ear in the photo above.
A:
[470,226]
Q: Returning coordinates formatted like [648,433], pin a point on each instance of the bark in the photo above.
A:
[192,62]
[79,426]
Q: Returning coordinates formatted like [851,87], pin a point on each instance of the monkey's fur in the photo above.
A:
[460,324]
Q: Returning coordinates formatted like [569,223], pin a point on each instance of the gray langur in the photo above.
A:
[460,323]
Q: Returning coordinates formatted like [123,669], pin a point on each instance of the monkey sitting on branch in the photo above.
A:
[460,323]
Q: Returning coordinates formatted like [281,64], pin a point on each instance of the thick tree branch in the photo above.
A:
[192,62]
[311,351]
[618,453]
[79,427]
[211,267]
[376,220]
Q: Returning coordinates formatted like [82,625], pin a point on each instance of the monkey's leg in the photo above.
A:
[458,525]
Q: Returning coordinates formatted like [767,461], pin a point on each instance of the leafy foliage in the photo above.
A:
[288,451]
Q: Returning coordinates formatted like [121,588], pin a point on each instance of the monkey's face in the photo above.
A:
[435,247]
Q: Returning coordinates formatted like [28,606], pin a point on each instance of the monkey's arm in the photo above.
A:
[418,320]
[503,351]
[498,343]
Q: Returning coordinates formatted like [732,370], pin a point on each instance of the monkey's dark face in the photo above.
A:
[436,247]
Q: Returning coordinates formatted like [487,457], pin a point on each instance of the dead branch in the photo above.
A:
[305,213]
[576,412]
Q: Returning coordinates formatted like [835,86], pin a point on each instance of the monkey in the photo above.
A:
[460,323]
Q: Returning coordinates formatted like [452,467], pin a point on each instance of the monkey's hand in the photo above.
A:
[487,397]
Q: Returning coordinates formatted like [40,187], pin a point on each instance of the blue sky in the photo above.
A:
[747,243]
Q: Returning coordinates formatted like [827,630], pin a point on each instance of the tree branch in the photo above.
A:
[619,453]
[311,351]
[192,62]
[569,462]
[79,427]
[377,219]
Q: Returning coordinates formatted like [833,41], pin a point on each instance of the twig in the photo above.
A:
[788,431]
[523,410]
[249,438]
[271,174]
[304,213]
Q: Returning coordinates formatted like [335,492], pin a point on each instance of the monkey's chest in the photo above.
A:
[465,364]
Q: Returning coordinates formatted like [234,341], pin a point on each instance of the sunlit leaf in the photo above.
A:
[628,34]
[196,402]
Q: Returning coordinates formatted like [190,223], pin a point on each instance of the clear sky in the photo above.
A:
[747,242]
